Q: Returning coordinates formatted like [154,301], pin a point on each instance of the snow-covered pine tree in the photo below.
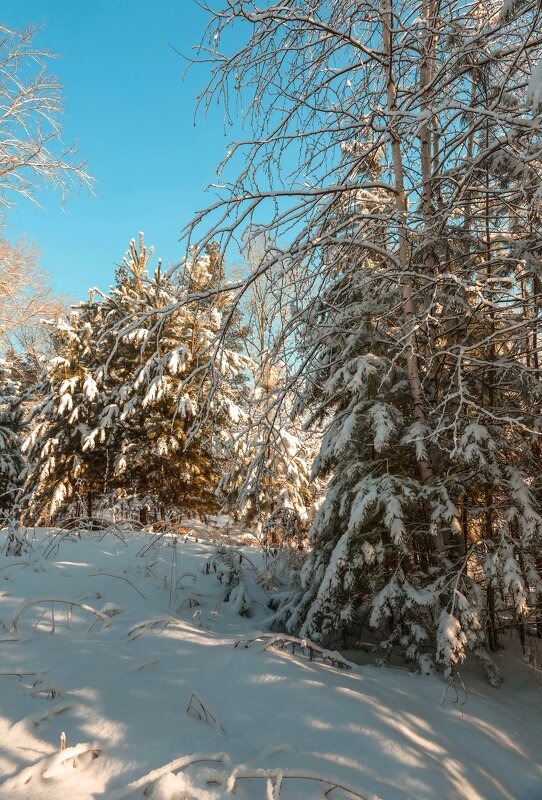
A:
[119,400]
[11,430]
[156,380]
[66,409]
[413,254]
[372,525]
[269,473]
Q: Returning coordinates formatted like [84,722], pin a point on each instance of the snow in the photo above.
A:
[534,90]
[118,672]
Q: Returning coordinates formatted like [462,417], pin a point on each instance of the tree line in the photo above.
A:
[117,413]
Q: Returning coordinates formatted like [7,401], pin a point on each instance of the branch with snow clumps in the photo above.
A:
[307,648]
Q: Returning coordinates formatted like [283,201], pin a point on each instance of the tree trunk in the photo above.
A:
[416,390]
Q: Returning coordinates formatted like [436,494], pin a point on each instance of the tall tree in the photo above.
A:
[66,408]
[151,378]
[269,470]
[123,391]
[400,146]
[32,157]
[11,430]
[26,299]
[270,466]
[32,154]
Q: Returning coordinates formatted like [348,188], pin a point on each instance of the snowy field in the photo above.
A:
[155,700]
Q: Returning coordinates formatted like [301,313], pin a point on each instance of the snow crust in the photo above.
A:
[119,683]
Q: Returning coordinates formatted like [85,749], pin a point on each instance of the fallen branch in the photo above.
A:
[186,575]
[307,648]
[73,527]
[37,719]
[275,778]
[155,539]
[99,525]
[43,716]
[192,601]
[47,767]
[172,766]
[55,541]
[119,578]
[152,624]
[16,564]
[22,673]
[30,603]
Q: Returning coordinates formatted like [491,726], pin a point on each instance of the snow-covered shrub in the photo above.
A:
[17,541]
[229,565]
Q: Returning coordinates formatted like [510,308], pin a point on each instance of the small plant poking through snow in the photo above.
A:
[229,565]
[197,708]
[17,542]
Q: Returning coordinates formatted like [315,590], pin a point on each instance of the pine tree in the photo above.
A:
[269,474]
[268,483]
[409,270]
[121,396]
[66,410]
[11,430]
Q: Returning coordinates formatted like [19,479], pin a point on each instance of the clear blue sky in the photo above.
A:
[133,116]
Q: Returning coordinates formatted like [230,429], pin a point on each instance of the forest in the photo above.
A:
[313,442]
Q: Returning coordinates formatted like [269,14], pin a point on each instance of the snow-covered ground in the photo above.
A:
[119,684]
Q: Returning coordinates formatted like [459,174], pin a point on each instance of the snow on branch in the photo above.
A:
[302,646]
[23,607]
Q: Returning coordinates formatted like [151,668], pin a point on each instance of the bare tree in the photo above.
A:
[26,299]
[32,154]
[32,157]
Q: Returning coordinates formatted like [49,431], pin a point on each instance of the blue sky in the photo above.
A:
[133,117]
